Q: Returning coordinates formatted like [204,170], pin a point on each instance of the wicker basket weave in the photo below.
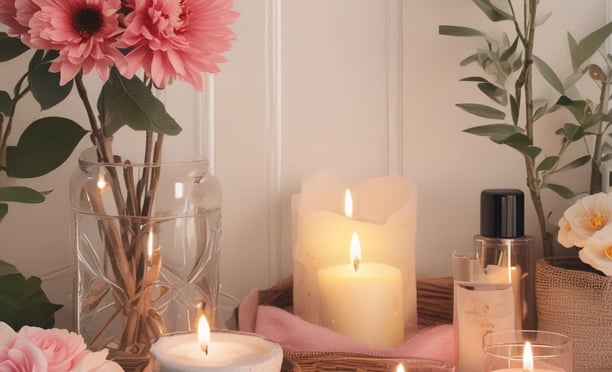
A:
[578,304]
[320,361]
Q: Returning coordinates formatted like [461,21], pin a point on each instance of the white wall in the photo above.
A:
[313,84]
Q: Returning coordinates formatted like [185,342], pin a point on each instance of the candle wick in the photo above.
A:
[204,348]
[356,263]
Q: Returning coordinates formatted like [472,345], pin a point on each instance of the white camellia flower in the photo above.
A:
[585,218]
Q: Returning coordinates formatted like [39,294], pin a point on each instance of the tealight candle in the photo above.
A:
[221,351]
[527,351]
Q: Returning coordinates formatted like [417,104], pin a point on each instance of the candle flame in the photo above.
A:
[400,368]
[101,183]
[355,251]
[348,204]
[203,334]
[527,358]
[150,245]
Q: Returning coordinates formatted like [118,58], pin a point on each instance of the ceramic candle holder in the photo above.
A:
[505,351]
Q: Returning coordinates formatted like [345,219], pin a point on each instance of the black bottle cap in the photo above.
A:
[502,213]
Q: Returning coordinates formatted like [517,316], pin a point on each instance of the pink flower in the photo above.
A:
[40,350]
[62,349]
[177,39]
[8,16]
[83,31]
[17,354]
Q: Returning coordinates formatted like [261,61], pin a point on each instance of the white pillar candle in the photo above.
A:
[227,352]
[384,216]
[363,301]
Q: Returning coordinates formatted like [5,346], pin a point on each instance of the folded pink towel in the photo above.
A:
[296,334]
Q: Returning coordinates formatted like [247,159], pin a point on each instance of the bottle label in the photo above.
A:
[480,308]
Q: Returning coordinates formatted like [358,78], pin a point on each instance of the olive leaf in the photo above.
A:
[581,51]
[482,110]
[561,190]
[548,74]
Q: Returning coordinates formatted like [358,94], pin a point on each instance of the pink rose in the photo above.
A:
[62,349]
[19,355]
[48,350]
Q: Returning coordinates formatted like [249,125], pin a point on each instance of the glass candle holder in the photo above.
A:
[546,351]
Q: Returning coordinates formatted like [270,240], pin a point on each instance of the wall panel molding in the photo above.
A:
[273,137]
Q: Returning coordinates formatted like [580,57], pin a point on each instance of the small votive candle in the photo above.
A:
[526,350]
[226,351]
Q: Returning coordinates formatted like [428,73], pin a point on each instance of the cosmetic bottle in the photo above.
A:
[505,253]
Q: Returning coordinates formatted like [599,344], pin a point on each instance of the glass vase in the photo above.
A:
[147,240]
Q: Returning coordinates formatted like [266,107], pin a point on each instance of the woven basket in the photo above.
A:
[578,304]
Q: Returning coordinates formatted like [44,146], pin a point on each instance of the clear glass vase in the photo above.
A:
[147,240]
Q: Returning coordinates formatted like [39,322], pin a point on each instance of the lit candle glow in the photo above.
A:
[400,368]
[355,251]
[203,334]
[527,357]
[348,204]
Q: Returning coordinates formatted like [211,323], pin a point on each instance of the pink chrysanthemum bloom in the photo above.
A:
[83,31]
[16,15]
[177,39]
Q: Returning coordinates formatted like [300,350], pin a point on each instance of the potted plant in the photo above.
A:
[572,298]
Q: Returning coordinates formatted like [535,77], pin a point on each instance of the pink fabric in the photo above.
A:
[295,334]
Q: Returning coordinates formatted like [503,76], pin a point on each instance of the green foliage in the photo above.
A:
[43,146]
[10,47]
[130,102]
[22,301]
[507,77]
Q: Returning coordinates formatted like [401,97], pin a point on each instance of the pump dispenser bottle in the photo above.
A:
[504,252]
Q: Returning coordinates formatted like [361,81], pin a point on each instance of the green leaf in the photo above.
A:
[540,21]
[590,44]
[574,51]
[571,132]
[46,87]
[518,63]
[575,163]
[494,13]
[514,109]
[475,78]
[43,146]
[10,47]
[510,51]
[547,163]
[577,108]
[130,102]
[20,194]
[3,210]
[7,268]
[520,142]
[449,30]
[560,190]
[571,80]
[469,59]
[539,106]
[494,92]
[23,302]
[549,75]
[5,102]
[482,110]
[490,130]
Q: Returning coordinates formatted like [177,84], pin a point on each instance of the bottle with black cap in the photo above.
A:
[505,253]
